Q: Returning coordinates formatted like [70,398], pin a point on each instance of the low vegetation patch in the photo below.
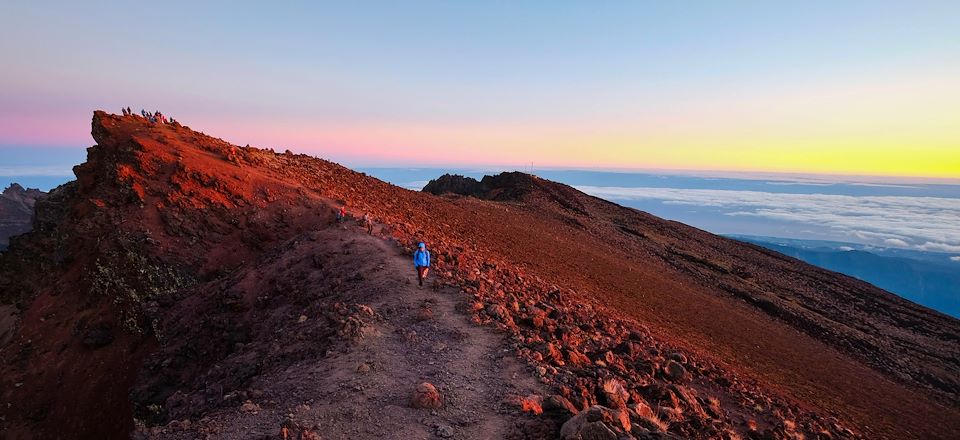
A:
[136,283]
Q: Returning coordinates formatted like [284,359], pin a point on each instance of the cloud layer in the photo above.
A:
[50,170]
[924,223]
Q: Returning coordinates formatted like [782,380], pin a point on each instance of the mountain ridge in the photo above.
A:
[593,299]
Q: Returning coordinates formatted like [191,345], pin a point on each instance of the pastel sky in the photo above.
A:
[852,87]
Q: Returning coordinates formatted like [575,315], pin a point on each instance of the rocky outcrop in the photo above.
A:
[455,184]
[16,211]
[500,187]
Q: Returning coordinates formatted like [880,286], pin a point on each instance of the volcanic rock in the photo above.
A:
[558,407]
[641,414]
[615,395]
[674,371]
[597,423]
[532,403]
[426,396]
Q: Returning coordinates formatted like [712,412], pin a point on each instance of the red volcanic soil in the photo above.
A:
[185,287]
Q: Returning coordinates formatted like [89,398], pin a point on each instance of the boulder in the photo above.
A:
[642,414]
[576,358]
[550,352]
[689,399]
[597,423]
[713,408]
[558,407]
[498,312]
[532,403]
[674,371]
[426,396]
[629,349]
[614,394]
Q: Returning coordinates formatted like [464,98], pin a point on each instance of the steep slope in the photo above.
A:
[882,329]
[931,283]
[192,286]
[16,211]
[682,281]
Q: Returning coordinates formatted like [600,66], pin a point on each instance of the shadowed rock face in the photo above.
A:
[512,186]
[503,186]
[178,278]
[455,184]
[16,211]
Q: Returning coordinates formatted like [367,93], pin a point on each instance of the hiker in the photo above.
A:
[368,222]
[421,262]
[341,214]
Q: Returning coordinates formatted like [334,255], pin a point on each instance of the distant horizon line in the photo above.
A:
[790,176]
[799,177]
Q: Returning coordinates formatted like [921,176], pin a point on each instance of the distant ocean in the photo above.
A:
[43,168]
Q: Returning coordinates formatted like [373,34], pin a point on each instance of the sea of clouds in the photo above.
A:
[922,223]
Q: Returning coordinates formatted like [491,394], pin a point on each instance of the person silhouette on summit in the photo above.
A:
[421,262]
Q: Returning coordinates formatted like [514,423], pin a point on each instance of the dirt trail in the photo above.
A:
[362,387]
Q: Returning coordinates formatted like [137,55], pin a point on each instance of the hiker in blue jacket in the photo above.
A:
[421,261]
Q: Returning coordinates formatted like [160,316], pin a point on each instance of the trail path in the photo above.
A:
[362,388]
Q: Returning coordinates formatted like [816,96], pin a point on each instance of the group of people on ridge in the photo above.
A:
[421,257]
[154,117]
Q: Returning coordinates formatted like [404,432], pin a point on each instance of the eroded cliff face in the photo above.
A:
[167,284]
[144,221]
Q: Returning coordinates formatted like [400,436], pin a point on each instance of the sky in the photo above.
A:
[818,87]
